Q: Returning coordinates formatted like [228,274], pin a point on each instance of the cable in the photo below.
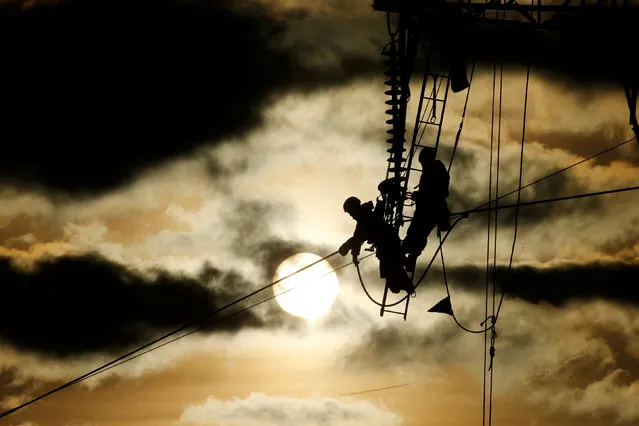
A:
[620,144]
[222,319]
[388,305]
[461,123]
[178,330]
[482,331]
[359,274]
[361,280]
[521,172]
[494,280]
[489,219]
[549,200]
[438,249]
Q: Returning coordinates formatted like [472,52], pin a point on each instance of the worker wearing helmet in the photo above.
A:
[431,208]
[371,227]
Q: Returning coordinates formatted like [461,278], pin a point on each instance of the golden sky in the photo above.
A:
[108,244]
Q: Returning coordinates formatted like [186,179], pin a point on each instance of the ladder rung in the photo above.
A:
[396,169]
[395,312]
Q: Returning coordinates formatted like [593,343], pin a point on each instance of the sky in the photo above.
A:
[161,158]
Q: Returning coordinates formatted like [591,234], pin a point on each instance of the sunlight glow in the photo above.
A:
[312,291]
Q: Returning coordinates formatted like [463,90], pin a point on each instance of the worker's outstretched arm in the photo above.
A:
[352,244]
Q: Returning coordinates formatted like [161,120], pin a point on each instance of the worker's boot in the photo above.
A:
[400,281]
[407,284]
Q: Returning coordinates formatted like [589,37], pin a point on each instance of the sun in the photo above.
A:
[310,293]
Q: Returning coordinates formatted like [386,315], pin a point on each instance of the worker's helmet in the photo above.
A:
[427,153]
[352,204]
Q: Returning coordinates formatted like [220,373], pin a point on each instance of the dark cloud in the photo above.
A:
[95,91]
[555,285]
[586,143]
[334,48]
[71,305]
[584,48]
[98,91]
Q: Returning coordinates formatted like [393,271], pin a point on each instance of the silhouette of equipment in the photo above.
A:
[443,307]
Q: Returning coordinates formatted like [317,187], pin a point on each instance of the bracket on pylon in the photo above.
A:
[631,90]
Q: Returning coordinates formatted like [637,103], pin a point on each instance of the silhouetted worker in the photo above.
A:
[430,206]
[371,227]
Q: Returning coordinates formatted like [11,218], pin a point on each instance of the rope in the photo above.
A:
[361,280]
[147,345]
[438,249]
[482,331]
[461,123]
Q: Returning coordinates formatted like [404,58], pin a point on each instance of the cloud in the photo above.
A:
[161,85]
[556,284]
[101,90]
[73,305]
[580,358]
[91,105]
[264,410]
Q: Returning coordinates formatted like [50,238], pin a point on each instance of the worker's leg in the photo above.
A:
[417,238]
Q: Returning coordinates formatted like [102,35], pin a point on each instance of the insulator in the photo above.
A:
[395,140]
[396,151]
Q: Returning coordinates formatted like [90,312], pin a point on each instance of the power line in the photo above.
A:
[518,204]
[198,328]
[489,219]
[132,354]
[147,345]
[561,170]
[548,200]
